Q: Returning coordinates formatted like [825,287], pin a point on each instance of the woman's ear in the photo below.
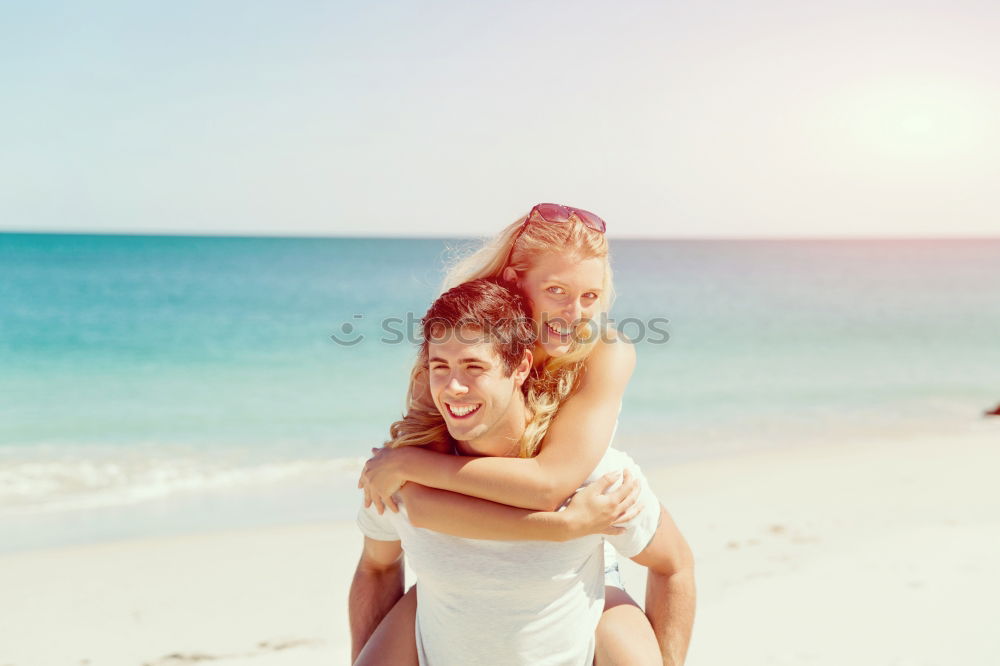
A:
[510,275]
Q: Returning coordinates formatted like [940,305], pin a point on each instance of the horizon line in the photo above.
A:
[350,236]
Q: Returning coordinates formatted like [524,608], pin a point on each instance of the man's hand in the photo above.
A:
[381,477]
[594,510]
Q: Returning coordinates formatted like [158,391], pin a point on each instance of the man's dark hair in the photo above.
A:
[492,307]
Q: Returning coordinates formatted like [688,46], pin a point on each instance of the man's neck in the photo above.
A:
[504,437]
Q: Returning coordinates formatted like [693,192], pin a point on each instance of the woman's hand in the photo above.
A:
[593,510]
[383,476]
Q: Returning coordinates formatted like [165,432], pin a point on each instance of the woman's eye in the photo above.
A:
[435,368]
[555,290]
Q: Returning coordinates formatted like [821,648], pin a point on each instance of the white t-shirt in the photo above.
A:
[511,603]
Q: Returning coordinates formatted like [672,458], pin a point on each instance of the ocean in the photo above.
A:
[164,384]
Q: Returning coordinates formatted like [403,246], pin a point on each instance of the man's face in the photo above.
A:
[469,386]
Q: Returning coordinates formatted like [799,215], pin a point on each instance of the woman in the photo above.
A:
[558,257]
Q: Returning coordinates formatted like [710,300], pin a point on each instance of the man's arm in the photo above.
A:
[670,589]
[377,586]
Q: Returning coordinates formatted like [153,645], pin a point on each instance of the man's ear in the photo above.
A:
[523,368]
[510,275]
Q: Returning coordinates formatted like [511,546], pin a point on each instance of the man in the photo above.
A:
[502,602]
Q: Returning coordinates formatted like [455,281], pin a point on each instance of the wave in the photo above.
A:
[62,484]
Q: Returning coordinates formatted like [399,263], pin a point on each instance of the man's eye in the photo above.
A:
[475,368]
[591,295]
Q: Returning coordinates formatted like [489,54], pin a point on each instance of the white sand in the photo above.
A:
[867,553]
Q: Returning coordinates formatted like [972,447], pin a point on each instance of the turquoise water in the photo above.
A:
[197,375]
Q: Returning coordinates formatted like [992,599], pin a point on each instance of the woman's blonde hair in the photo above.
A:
[518,246]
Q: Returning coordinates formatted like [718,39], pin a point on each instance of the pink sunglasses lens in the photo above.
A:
[591,220]
[552,212]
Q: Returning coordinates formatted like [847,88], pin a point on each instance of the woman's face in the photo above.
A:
[564,294]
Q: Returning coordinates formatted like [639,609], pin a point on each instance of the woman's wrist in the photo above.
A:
[421,465]
[569,525]
[401,462]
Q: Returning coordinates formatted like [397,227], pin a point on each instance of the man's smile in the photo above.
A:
[461,410]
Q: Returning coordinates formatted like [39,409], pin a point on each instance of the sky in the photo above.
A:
[762,118]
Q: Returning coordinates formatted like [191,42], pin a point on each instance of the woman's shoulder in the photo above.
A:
[612,345]
[613,353]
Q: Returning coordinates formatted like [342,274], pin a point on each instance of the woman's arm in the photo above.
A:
[578,436]
[590,511]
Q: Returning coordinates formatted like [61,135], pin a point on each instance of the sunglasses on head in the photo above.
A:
[555,213]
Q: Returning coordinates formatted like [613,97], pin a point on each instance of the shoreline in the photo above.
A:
[815,555]
[324,487]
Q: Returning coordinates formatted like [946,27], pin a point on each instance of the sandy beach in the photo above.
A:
[874,551]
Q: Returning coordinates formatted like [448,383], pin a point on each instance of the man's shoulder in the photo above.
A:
[381,527]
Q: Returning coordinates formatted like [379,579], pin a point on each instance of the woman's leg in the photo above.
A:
[394,641]
[624,635]
[670,602]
